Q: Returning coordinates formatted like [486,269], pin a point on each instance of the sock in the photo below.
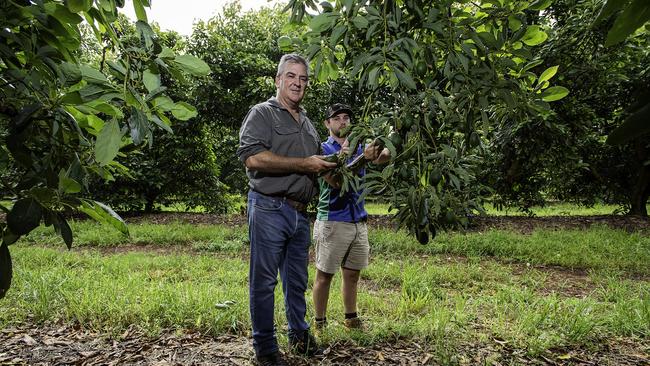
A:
[350,315]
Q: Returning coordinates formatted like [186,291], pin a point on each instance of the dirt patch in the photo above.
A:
[70,345]
[522,224]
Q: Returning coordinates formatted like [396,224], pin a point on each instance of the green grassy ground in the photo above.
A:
[552,209]
[460,288]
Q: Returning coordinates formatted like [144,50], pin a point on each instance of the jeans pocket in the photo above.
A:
[268,204]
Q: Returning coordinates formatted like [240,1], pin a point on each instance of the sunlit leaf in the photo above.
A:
[547,74]
[554,93]
[534,36]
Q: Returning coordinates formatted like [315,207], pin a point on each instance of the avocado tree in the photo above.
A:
[448,74]
[180,168]
[63,120]
[565,156]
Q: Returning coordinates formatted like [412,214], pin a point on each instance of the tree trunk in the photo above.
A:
[641,189]
[148,207]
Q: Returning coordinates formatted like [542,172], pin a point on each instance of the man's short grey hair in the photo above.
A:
[293,58]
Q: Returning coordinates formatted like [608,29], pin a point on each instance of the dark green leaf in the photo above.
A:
[65,16]
[540,4]
[360,22]
[147,34]
[151,80]
[25,216]
[404,78]
[637,124]
[92,75]
[71,73]
[63,228]
[322,22]
[67,184]
[632,18]
[25,115]
[138,125]
[161,124]
[337,33]
[610,7]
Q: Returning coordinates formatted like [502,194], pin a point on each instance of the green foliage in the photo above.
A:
[632,17]
[563,155]
[180,167]
[633,14]
[63,121]
[441,75]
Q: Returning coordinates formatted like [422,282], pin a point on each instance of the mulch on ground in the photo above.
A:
[53,344]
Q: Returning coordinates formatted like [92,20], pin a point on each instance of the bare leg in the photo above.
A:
[321,292]
[349,289]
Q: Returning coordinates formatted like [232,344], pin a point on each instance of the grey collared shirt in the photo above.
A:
[269,126]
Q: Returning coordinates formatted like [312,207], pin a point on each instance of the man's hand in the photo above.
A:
[314,164]
[345,148]
[372,151]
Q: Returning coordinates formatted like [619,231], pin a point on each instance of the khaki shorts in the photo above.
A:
[341,244]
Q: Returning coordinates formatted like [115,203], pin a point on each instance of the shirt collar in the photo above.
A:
[274,102]
[331,141]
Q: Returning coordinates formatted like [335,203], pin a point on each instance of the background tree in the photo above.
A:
[180,168]
[564,156]
[62,121]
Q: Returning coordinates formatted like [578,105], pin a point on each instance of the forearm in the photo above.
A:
[269,162]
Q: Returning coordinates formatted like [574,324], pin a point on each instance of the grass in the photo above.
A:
[203,237]
[551,209]
[460,288]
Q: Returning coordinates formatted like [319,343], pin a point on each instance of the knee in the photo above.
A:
[323,279]
[351,277]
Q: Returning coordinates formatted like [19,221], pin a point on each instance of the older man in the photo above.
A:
[279,147]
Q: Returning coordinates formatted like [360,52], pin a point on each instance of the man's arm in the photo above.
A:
[269,162]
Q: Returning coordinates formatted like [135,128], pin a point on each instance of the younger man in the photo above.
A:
[340,230]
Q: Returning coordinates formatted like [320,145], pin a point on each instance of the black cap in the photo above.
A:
[338,108]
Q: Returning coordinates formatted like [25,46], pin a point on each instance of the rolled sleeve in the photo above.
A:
[255,134]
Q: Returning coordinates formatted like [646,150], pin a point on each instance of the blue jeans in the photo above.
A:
[279,237]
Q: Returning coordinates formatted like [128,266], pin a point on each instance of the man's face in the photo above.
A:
[292,83]
[337,123]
